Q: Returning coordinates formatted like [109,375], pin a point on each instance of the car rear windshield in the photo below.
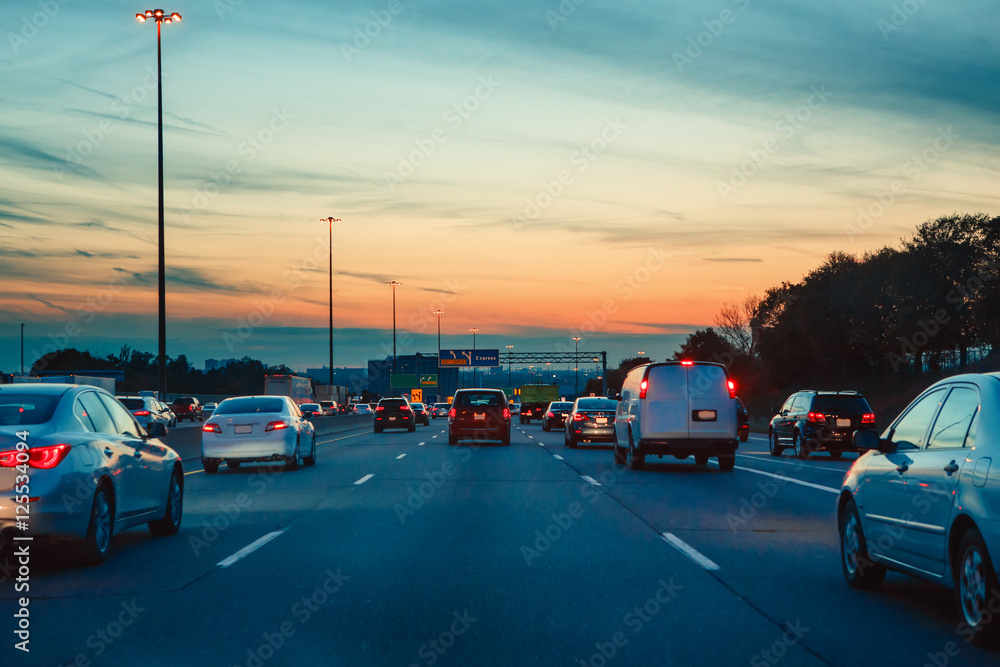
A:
[244,406]
[842,404]
[561,406]
[23,409]
[597,404]
[183,401]
[309,406]
[132,403]
[480,398]
[392,403]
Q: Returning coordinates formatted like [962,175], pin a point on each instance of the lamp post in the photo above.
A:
[576,366]
[394,284]
[22,349]
[474,330]
[439,313]
[160,17]
[331,221]
[509,355]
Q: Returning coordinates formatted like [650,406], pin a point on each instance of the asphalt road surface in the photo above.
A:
[396,549]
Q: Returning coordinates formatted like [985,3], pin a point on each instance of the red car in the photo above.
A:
[187,407]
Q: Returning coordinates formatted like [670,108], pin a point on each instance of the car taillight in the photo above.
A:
[642,388]
[506,413]
[141,413]
[868,418]
[36,457]
[405,408]
[817,417]
[212,428]
[276,426]
[549,414]
[732,389]
[579,417]
[47,457]
[379,408]
[452,413]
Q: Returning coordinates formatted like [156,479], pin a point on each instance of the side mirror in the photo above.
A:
[156,430]
[868,440]
[774,410]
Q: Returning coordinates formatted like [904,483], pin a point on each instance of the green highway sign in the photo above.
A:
[403,381]
[428,380]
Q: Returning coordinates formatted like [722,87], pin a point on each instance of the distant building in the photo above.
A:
[380,370]
[216,364]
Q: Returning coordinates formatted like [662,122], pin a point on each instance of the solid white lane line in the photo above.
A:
[364,479]
[820,487]
[766,456]
[193,472]
[250,548]
[356,435]
[557,457]
[689,551]
[400,456]
[591,480]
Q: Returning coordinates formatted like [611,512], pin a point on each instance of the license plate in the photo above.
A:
[392,419]
[843,423]
[481,417]
[601,420]
[243,428]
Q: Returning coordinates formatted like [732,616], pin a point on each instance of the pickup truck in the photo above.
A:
[187,407]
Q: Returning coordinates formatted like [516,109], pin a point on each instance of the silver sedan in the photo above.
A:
[924,501]
[75,465]
[251,429]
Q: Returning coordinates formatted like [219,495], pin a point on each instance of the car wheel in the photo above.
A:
[293,461]
[701,459]
[452,439]
[636,459]
[97,544]
[545,427]
[378,430]
[621,456]
[171,521]
[727,462]
[571,441]
[211,467]
[413,427]
[976,586]
[860,570]
[506,439]
[311,459]
[772,444]
[232,465]
[836,453]
[799,445]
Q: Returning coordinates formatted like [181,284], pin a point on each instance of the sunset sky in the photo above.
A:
[612,169]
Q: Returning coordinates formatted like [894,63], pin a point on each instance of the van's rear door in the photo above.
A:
[711,411]
[664,410]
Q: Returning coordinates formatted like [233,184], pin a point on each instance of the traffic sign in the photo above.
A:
[417,395]
[403,381]
[428,380]
[469,358]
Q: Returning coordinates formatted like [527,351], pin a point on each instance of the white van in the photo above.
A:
[677,408]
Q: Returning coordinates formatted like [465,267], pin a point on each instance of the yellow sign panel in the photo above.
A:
[417,395]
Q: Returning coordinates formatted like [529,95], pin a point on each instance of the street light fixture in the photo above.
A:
[160,17]
[331,221]
[394,284]
[576,366]
[474,330]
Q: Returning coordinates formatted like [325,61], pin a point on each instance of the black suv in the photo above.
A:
[819,420]
[394,413]
[481,414]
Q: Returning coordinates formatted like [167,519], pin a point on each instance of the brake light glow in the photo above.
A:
[212,428]
[141,413]
[380,407]
[579,417]
[506,413]
[36,457]
[549,414]
[276,426]
[868,418]
[452,413]
[642,388]
[404,408]
[732,389]
[687,363]
[817,417]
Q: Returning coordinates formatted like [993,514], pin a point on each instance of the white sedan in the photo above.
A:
[251,429]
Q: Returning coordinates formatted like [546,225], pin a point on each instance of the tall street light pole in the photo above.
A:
[22,349]
[439,313]
[394,284]
[474,330]
[160,17]
[331,221]
[510,353]
[576,366]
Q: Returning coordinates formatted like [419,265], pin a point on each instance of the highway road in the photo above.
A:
[396,549]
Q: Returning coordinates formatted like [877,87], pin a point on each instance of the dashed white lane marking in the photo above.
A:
[250,548]
[400,456]
[557,457]
[590,480]
[364,479]
[689,551]
[421,444]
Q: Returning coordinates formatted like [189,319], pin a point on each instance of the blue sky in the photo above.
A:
[512,163]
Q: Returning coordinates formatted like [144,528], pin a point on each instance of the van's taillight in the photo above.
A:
[36,457]
[452,413]
[642,388]
[732,389]
[276,426]
[868,418]
[816,417]
[687,363]
[506,413]
[212,428]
